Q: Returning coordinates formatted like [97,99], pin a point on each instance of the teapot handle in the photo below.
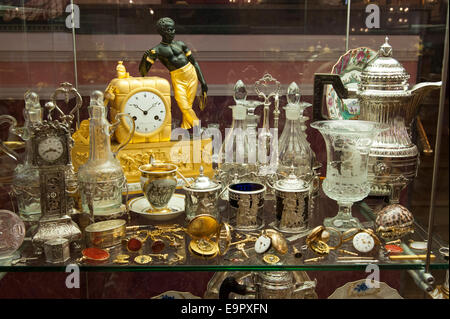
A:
[320,79]
[13,123]
[230,285]
[114,127]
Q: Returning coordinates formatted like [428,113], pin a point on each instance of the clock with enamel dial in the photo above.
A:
[51,144]
[51,148]
[363,242]
[147,101]
[148,110]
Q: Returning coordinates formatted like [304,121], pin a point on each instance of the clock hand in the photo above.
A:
[136,106]
[153,105]
[50,150]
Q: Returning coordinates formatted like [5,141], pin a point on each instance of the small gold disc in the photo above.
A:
[122,256]
[143,259]
[121,261]
[271,259]
[201,249]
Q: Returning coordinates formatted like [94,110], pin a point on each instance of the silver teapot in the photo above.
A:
[384,97]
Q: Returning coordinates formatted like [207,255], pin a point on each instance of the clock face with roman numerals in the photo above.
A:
[148,111]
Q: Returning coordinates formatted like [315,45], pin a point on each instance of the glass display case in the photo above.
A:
[196,96]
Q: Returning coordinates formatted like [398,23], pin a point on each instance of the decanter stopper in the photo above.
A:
[31,100]
[32,113]
[97,98]
[293,94]
[96,108]
[240,92]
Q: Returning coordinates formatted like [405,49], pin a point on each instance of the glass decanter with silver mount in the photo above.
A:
[101,179]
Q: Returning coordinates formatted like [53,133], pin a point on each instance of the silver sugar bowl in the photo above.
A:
[202,196]
[292,197]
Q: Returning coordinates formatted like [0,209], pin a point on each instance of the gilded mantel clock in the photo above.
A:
[148,101]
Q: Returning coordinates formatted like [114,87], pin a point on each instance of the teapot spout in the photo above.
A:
[418,92]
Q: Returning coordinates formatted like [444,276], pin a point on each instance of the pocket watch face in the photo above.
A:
[363,242]
[148,111]
[51,148]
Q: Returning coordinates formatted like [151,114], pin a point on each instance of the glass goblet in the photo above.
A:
[348,145]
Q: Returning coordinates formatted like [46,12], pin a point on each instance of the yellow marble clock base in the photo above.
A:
[187,155]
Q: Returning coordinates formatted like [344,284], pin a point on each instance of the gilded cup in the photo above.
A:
[158,183]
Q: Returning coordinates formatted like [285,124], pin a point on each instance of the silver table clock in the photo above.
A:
[50,153]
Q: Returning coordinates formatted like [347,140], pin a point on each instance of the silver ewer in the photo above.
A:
[384,97]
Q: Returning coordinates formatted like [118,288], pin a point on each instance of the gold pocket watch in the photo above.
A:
[363,240]
[208,237]
[320,240]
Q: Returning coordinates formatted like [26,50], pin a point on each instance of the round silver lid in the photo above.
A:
[106,225]
[384,72]
[291,184]
[203,182]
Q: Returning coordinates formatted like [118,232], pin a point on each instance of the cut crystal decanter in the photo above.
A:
[294,149]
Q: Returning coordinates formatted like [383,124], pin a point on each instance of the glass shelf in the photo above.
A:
[324,206]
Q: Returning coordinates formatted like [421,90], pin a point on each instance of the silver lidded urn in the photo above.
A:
[202,196]
[292,203]
[384,97]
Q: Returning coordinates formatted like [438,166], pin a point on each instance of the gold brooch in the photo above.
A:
[271,259]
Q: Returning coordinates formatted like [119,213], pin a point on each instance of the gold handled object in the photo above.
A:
[410,257]
[423,139]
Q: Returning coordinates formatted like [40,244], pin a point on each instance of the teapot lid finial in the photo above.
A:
[386,49]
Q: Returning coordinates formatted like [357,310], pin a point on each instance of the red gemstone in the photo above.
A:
[394,249]
[134,244]
[96,254]
[158,246]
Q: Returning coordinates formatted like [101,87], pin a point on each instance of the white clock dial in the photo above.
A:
[262,244]
[363,242]
[51,148]
[148,111]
